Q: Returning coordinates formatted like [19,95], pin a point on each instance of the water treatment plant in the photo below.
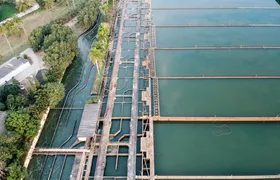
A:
[191,91]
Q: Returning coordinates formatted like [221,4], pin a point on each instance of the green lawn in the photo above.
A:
[7,10]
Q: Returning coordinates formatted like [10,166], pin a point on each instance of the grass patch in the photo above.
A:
[31,21]
[7,10]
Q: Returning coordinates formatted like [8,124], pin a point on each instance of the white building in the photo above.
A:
[12,68]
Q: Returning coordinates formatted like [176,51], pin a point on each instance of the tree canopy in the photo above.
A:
[22,123]
[59,56]
[88,14]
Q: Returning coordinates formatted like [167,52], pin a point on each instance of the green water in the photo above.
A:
[7,10]
[61,131]
[218,63]
[214,3]
[208,148]
[223,97]
[173,17]
[208,36]
[203,149]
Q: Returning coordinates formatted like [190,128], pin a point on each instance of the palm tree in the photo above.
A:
[13,27]
[23,5]
[48,4]
[18,21]
[3,32]
[96,56]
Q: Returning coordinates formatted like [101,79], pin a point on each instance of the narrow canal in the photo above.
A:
[217,148]
[61,126]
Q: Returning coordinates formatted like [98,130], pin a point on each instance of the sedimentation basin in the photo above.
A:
[217,148]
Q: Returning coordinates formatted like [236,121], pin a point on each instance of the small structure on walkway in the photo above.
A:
[88,122]
[12,68]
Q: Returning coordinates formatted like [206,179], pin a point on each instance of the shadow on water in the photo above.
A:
[61,126]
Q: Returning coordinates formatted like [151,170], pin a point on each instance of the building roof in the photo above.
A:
[11,66]
[89,121]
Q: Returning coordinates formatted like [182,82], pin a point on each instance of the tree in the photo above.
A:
[11,148]
[16,171]
[98,52]
[13,89]
[103,33]
[55,93]
[23,5]
[3,32]
[19,22]
[14,27]
[96,56]
[88,14]
[59,56]
[48,4]
[37,36]
[22,123]
[15,102]
[49,95]
[59,33]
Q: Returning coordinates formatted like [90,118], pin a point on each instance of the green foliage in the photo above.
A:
[23,5]
[88,14]
[2,106]
[36,38]
[17,171]
[15,102]
[48,4]
[67,17]
[60,33]
[49,95]
[14,27]
[93,100]
[8,89]
[98,52]
[60,47]
[52,75]
[22,123]
[12,150]
[59,56]
[55,93]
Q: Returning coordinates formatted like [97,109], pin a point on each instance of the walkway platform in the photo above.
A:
[213,8]
[217,77]
[210,177]
[220,48]
[57,151]
[216,119]
[88,122]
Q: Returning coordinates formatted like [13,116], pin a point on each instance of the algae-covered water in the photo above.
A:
[217,148]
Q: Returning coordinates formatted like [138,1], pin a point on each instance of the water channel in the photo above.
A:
[217,148]
[62,125]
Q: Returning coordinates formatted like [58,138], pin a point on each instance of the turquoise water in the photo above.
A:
[172,17]
[214,3]
[36,172]
[62,132]
[208,148]
[222,97]
[208,36]
[218,63]
[217,149]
